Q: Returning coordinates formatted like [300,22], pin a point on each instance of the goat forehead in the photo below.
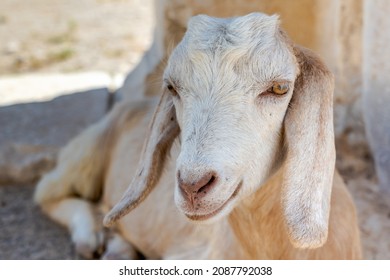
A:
[216,49]
[208,33]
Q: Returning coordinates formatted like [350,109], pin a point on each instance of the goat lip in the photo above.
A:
[205,217]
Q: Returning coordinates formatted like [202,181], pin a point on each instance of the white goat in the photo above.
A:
[251,172]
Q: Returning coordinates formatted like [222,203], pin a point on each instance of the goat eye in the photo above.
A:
[279,88]
[172,89]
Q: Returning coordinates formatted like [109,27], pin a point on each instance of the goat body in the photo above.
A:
[246,117]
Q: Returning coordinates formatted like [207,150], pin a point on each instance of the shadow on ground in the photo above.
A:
[31,136]
[25,232]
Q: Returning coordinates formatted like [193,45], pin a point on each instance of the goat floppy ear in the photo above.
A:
[310,159]
[163,130]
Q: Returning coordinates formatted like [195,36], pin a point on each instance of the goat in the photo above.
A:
[246,117]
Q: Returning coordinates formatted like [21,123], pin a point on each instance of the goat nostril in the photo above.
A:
[205,187]
[198,188]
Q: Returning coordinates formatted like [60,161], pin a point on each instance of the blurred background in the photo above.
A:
[63,63]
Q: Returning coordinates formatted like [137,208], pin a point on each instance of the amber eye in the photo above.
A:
[279,88]
[172,89]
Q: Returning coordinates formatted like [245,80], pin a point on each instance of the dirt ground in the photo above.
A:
[73,35]
[110,35]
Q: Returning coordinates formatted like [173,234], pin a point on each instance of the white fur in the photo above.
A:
[221,70]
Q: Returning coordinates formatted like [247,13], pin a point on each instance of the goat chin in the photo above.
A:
[234,105]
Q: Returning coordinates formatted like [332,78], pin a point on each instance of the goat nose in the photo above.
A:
[198,187]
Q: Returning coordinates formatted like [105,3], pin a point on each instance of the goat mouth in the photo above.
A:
[215,212]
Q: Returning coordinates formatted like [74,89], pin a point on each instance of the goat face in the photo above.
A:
[242,98]
[231,81]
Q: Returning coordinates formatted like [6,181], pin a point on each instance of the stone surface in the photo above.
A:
[32,133]
[25,232]
[52,123]
[22,164]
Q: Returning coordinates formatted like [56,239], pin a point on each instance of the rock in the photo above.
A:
[32,133]
[22,164]
[52,123]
